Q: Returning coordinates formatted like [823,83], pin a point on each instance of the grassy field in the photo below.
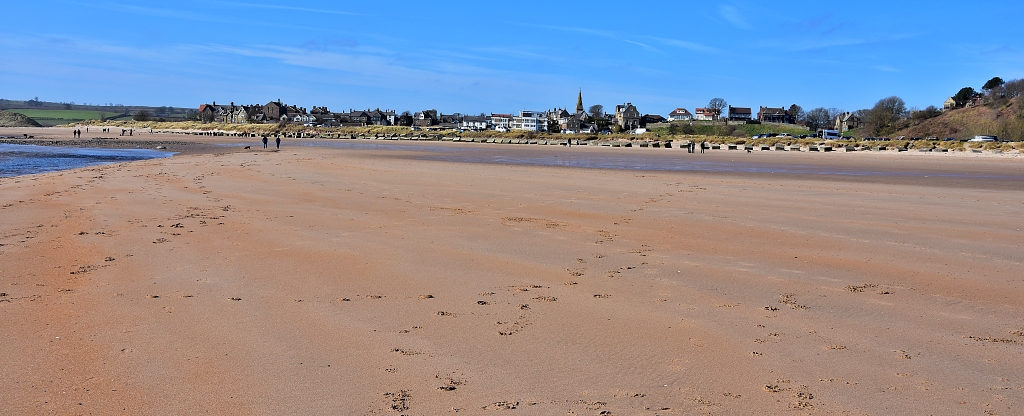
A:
[57,117]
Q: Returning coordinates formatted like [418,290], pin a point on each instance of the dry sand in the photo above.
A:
[323,281]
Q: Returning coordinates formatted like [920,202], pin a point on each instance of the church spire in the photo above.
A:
[579,103]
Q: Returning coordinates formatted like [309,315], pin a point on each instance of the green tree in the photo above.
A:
[993,83]
[797,112]
[964,96]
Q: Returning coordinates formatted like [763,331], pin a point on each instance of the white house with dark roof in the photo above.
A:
[680,114]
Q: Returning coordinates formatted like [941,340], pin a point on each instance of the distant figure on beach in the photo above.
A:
[264,142]
[122,132]
[86,129]
[703,145]
[278,140]
[130,131]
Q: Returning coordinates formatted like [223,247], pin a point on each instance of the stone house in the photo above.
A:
[847,121]
[775,115]
[627,116]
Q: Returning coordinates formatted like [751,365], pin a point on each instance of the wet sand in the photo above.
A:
[341,281]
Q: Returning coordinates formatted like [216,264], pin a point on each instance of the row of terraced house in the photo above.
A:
[559,120]
[626,117]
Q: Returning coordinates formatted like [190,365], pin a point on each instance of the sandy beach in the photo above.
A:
[316,280]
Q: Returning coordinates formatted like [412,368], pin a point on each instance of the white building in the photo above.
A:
[501,122]
[703,114]
[474,123]
[529,121]
[680,114]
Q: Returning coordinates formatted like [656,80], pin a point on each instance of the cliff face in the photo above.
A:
[8,119]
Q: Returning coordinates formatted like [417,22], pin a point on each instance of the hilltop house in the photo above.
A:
[680,114]
[775,115]
[739,113]
[949,104]
[651,119]
[703,114]
[627,116]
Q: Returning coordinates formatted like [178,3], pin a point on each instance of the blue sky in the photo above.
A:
[478,57]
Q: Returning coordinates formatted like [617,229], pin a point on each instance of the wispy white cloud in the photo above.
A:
[733,15]
[292,8]
[597,32]
[693,46]
[884,68]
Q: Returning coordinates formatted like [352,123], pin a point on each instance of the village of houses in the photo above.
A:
[625,118]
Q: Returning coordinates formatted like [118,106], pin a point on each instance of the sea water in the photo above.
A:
[19,159]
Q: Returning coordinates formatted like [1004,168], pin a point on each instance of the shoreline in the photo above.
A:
[990,171]
[228,137]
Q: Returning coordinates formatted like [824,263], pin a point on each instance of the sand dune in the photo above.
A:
[322,281]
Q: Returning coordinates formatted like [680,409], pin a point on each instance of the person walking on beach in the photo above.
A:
[130,131]
[702,146]
[264,142]
[278,141]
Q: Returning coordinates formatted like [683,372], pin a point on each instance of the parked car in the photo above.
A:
[987,139]
[847,137]
[949,139]
[870,139]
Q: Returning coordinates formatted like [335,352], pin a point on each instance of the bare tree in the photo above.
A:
[1014,88]
[596,111]
[716,105]
[885,114]
[819,118]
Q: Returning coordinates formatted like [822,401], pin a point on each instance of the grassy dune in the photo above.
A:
[50,118]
